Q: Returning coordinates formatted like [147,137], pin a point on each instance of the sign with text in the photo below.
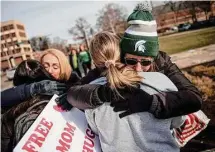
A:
[56,130]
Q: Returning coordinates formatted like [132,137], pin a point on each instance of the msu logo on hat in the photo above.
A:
[139,46]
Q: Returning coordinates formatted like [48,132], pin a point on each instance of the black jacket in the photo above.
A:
[186,100]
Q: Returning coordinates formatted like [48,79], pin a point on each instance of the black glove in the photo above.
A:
[63,103]
[83,96]
[133,101]
[104,94]
[47,87]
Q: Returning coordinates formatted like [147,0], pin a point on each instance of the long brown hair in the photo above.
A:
[105,52]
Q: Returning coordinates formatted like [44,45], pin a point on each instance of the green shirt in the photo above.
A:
[75,61]
[84,56]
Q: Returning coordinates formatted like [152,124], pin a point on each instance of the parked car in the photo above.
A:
[10,73]
[203,24]
[174,28]
[184,27]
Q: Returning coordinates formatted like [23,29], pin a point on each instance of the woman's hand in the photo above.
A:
[63,103]
[47,87]
[133,101]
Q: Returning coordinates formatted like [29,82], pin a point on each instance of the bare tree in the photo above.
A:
[35,43]
[174,6]
[44,42]
[192,7]
[59,44]
[196,7]
[110,16]
[82,30]
[40,43]
[205,6]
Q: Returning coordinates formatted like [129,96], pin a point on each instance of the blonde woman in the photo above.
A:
[137,132]
[57,64]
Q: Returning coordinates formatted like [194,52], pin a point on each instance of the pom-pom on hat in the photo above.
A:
[141,37]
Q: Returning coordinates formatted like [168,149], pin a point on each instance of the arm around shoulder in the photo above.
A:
[184,101]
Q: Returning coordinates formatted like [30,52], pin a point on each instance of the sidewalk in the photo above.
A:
[194,57]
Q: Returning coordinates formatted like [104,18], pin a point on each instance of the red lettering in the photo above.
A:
[46,123]
[28,147]
[37,138]
[66,137]
[88,142]
[63,146]
[42,130]
[70,128]
[90,133]
[86,149]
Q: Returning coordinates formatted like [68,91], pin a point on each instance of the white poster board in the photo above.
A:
[59,131]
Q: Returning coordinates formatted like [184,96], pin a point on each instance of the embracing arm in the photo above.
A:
[82,95]
[16,95]
[186,100]
[164,105]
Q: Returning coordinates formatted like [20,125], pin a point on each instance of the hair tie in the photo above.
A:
[109,62]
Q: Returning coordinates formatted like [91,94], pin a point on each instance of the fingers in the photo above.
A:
[61,99]
[117,109]
[66,106]
[60,88]
[60,84]
[120,104]
[63,103]
[124,114]
[57,101]
[56,84]
[59,92]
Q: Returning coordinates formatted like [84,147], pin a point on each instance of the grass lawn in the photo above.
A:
[188,40]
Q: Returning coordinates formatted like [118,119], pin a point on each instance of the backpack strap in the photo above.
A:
[25,120]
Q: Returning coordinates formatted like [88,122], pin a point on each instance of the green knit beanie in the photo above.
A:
[141,37]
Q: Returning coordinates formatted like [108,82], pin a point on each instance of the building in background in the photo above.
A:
[15,46]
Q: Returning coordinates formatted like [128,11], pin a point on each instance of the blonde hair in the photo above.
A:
[65,68]
[105,51]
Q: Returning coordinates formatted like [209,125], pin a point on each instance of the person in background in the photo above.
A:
[56,64]
[74,61]
[140,50]
[85,59]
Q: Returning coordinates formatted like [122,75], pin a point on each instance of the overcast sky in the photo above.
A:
[55,17]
